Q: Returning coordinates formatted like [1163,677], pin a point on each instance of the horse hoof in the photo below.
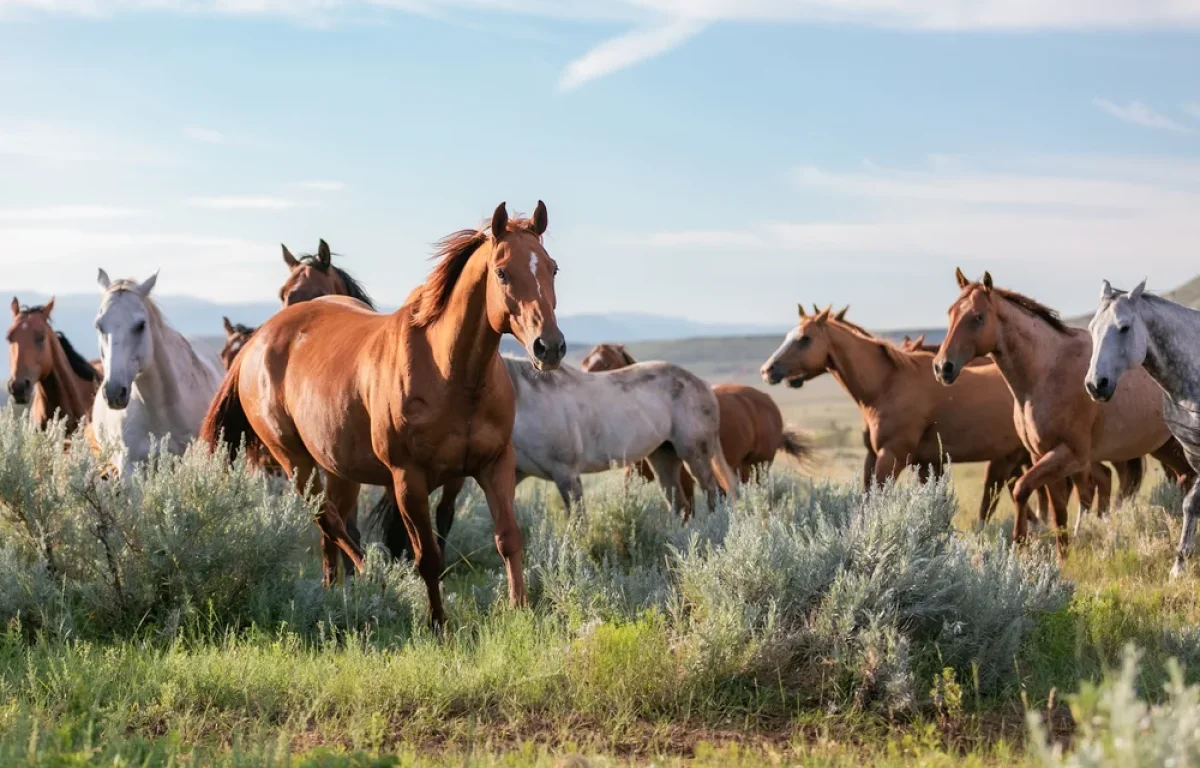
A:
[1177,570]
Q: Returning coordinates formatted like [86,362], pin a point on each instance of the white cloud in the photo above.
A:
[1139,114]
[700,238]
[204,135]
[628,49]
[67,213]
[248,203]
[321,186]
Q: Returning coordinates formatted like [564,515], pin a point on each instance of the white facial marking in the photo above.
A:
[793,335]
[533,260]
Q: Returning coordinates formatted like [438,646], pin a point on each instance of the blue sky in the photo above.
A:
[708,159]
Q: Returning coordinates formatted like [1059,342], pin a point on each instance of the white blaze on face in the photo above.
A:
[533,262]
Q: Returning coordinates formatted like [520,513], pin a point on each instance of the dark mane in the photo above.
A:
[39,309]
[82,368]
[898,357]
[243,330]
[1033,307]
[453,252]
[354,288]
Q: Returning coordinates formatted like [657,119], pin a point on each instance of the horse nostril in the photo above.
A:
[1102,385]
[539,348]
[947,369]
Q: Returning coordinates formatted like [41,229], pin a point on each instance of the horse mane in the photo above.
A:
[1034,307]
[82,368]
[131,286]
[626,356]
[452,254]
[898,357]
[354,289]
[244,330]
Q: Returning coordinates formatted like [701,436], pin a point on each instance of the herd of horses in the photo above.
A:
[336,395]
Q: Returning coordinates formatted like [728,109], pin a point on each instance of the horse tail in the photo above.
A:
[386,515]
[1132,477]
[226,420]
[798,445]
[725,475]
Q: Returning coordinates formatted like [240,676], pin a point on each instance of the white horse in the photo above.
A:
[571,423]
[156,385]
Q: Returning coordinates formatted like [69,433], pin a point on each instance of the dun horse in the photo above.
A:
[155,384]
[1140,329]
[47,372]
[909,418]
[752,429]
[1044,363]
[410,399]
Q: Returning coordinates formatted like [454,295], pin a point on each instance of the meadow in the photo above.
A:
[182,621]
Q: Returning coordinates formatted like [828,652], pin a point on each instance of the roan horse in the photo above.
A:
[1044,363]
[155,384]
[47,370]
[752,429]
[1140,329]
[412,399]
[910,419]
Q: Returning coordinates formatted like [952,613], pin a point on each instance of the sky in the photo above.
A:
[719,160]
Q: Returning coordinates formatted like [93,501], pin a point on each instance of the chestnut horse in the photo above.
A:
[1044,363]
[1130,473]
[47,370]
[909,418]
[752,429]
[236,336]
[413,399]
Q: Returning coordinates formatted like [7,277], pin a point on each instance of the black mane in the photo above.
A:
[83,369]
[354,288]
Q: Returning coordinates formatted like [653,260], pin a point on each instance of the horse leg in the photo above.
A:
[868,461]
[412,497]
[1191,507]
[1059,462]
[351,521]
[667,469]
[498,481]
[445,508]
[888,465]
[341,496]
[570,488]
[1085,485]
[1060,496]
[1174,461]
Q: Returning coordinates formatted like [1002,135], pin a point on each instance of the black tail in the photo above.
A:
[1131,474]
[798,445]
[386,514]
[226,420]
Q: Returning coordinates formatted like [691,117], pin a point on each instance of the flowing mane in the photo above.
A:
[1032,306]
[354,288]
[454,251]
[82,368]
[246,330]
[899,357]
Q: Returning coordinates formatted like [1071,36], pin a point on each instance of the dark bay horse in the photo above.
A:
[236,336]
[1044,363]
[411,399]
[752,429]
[314,275]
[46,369]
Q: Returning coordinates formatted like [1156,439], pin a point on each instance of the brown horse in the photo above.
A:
[413,399]
[1044,363]
[315,275]
[752,429]
[47,370]
[236,336]
[910,419]
[1130,473]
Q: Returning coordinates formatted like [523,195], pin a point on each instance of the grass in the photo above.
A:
[722,643]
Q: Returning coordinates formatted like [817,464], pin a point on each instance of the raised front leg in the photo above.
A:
[412,497]
[499,483]
[1191,507]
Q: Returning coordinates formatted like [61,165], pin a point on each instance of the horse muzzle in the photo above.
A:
[20,390]
[548,351]
[1100,389]
[116,396]
[947,372]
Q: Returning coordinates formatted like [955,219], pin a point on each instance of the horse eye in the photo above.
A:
[140,327]
[1123,329]
[502,276]
[39,339]
[804,341]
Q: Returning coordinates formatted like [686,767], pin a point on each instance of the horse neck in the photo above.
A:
[61,389]
[1173,331]
[464,343]
[1026,348]
[157,384]
[858,364]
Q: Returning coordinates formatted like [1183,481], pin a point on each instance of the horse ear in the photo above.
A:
[16,307]
[919,341]
[499,222]
[823,316]
[1136,293]
[323,255]
[288,258]
[1106,290]
[146,287]
[541,219]
[228,326]
[102,280]
[963,282]
[628,357]
[987,280]
[48,308]
[816,309]
[801,306]
[842,314]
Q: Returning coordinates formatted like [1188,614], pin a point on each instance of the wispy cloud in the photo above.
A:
[204,135]
[626,50]
[67,213]
[700,238]
[249,203]
[1139,114]
[321,186]
[1192,108]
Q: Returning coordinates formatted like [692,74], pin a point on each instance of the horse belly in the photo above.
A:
[1132,422]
